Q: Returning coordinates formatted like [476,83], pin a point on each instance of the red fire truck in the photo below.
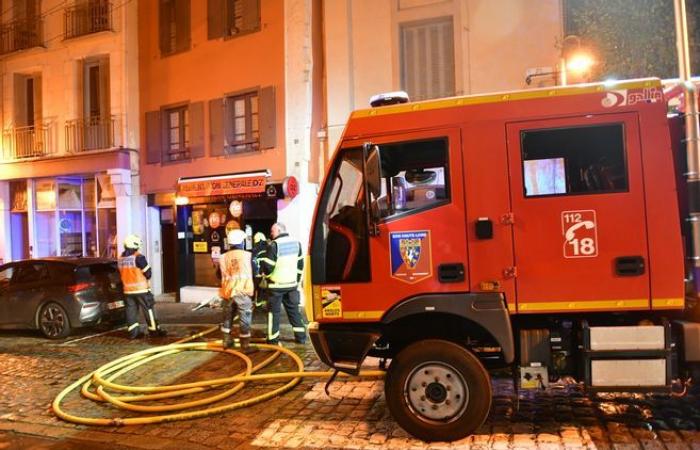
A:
[539,230]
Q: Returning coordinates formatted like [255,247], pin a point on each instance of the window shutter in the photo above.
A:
[182,24]
[216,18]
[228,128]
[163,27]
[20,103]
[251,16]
[196,130]
[105,110]
[427,59]
[154,146]
[268,118]
[216,127]
[38,113]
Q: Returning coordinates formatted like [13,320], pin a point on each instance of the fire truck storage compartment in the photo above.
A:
[627,357]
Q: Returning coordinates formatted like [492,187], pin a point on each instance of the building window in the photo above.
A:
[427,58]
[177,134]
[230,18]
[574,161]
[174,26]
[242,120]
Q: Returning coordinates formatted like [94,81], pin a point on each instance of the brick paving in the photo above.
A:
[33,370]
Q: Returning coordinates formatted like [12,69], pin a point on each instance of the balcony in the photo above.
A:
[21,34]
[94,133]
[91,17]
[28,142]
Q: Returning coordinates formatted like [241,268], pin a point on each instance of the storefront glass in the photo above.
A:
[45,218]
[70,221]
[74,217]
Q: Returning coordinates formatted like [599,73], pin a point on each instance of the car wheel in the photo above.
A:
[53,321]
[437,390]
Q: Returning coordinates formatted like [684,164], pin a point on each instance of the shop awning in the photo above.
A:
[248,183]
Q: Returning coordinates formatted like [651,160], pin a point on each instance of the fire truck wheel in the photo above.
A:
[437,390]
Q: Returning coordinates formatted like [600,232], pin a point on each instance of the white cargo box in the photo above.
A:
[628,372]
[627,338]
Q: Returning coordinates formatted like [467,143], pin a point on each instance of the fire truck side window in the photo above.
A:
[414,177]
[340,241]
[574,161]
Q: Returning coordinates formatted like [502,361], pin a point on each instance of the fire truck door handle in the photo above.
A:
[629,266]
[451,273]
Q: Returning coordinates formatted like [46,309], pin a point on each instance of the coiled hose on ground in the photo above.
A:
[106,388]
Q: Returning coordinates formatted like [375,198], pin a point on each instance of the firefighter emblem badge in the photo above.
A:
[411,258]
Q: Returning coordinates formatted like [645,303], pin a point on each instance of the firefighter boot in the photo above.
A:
[227,341]
[246,348]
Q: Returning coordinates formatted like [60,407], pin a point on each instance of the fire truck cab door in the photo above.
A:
[579,230]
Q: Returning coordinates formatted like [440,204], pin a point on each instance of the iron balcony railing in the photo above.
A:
[87,18]
[21,34]
[28,142]
[93,133]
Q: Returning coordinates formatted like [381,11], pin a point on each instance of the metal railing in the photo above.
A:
[91,17]
[28,142]
[93,133]
[21,34]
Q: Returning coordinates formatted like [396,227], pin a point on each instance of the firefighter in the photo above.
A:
[135,273]
[282,268]
[259,250]
[236,267]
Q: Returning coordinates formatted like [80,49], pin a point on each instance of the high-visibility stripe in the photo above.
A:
[584,305]
[528,94]
[667,303]
[153,326]
[362,314]
[225,330]
[132,326]
[269,324]
[273,336]
[299,329]
[146,269]
[268,261]
[244,335]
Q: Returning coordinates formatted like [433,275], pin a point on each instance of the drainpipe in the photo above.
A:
[691,137]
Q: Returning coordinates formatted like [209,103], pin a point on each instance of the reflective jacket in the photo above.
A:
[133,277]
[236,274]
[283,264]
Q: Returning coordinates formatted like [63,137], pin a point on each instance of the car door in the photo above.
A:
[579,214]
[6,272]
[27,290]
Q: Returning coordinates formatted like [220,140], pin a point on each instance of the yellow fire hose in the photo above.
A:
[104,379]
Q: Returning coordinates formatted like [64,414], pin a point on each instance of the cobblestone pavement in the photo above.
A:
[33,370]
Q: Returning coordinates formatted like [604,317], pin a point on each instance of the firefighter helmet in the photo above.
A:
[236,237]
[259,237]
[132,242]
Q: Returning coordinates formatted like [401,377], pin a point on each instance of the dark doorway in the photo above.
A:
[169,240]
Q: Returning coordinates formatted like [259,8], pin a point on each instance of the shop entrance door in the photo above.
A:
[168,238]
[19,229]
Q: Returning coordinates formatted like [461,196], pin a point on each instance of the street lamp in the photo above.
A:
[574,60]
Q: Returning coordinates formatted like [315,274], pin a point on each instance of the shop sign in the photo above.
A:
[223,186]
[201,247]
[290,187]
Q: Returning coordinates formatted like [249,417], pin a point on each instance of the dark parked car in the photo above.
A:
[55,295]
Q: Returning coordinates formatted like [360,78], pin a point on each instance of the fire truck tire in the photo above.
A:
[437,390]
